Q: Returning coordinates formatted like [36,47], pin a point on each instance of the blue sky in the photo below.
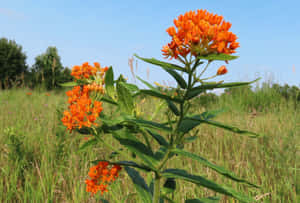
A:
[110,32]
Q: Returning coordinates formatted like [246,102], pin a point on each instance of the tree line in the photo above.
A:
[47,70]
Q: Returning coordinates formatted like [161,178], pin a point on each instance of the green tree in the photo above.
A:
[12,62]
[48,68]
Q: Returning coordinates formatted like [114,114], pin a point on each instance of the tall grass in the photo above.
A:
[40,161]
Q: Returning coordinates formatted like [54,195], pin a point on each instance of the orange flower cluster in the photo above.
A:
[222,70]
[200,33]
[81,113]
[28,93]
[96,87]
[100,176]
[85,70]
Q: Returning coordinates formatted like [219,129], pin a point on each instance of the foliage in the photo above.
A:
[48,69]
[12,62]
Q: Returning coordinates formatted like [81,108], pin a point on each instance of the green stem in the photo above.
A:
[156,192]
[204,69]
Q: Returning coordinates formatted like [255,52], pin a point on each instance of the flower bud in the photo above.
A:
[222,70]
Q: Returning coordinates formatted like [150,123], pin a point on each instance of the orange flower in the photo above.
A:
[101,176]
[222,70]
[48,94]
[29,93]
[85,70]
[200,33]
[82,111]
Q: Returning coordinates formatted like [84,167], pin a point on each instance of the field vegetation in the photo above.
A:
[41,162]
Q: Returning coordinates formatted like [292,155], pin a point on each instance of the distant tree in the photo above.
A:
[65,75]
[48,68]
[12,62]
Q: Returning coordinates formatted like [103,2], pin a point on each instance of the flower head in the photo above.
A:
[85,71]
[222,70]
[82,110]
[101,176]
[200,33]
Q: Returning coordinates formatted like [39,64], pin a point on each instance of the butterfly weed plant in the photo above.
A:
[198,39]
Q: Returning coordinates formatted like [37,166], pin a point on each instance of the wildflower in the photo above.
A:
[85,71]
[28,93]
[101,176]
[200,33]
[48,94]
[82,110]
[222,70]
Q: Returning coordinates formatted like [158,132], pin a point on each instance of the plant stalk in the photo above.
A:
[156,192]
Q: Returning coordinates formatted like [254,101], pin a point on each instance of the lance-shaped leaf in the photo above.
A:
[199,180]
[138,148]
[173,107]
[160,139]
[169,186]
[162,96]
[226,127]
[179,79]
[188,124]
[147,84]
[218,57]
[109,82]
[162,64]
[132,164]
[203,200]
[216,168]
[131,87]
[108,100]
[139,184]
[201,88]
[69,84]
[151,124]
[160,153]
[195,91]
[88,143]
[125,98]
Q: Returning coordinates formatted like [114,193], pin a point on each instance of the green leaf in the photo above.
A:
[222,85]
[125,98]
[162,64]
[173,107]
[216,168]
[147,84]
[132,164]
[162,96]
[226,127]
[179,79]
[137,147]
[169,186]
[218,57]
[131,87]
[204,200]
[199,180]
[88,143]
[160,153]
[151,124]
[188,123]
[194,92]
[108,100]
[139,184]
[109,82]
[68,84]
[160,139]
[190,139]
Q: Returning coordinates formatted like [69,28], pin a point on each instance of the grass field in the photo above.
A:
[40,162]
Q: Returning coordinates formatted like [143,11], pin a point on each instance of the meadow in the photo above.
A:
[41,162]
